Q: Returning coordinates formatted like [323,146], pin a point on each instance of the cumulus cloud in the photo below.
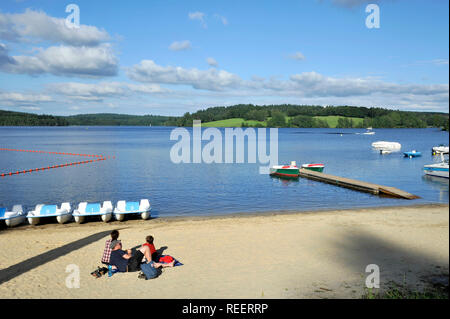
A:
[198,16]
[180,45]
[23,99]
[32,26]
[212,62]
[101,90]
[211,79]
[306,85]
[63,60]
[297,56]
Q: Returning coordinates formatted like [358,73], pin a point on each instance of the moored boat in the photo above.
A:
[412,154]
[62,214]
[384,145]
[439,149]
[285,170]
[437,169]
[93,209]
[314,167]
[14,217]
[123,208]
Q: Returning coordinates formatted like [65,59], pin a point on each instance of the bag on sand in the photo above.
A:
[149,271]
[100,271]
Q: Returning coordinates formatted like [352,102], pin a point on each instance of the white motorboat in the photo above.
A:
[387,146]
[439,149]
[438,169]
[62,214]
[369,131]
[93,209]
[14,217]
[123,208]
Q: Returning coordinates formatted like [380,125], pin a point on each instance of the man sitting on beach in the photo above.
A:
[125,261]
[107,251]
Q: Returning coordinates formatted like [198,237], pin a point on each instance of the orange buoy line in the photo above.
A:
[98,158]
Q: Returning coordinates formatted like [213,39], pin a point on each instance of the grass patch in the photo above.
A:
[397,291]
[332,120]
[233,122]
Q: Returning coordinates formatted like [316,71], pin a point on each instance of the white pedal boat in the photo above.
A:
[14,217]
[62,214]
[93,209]
[123,208]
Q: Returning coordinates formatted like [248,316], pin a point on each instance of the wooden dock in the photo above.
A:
[356,185]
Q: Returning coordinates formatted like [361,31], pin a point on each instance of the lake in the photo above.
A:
[142,168]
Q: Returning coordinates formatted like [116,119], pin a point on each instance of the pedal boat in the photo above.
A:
[125,208]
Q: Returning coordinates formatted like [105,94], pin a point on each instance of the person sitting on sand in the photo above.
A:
[151,246]
[107,251]
[125,261]
[154,254]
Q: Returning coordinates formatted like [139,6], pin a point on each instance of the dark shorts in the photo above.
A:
[155,257]
[134,263]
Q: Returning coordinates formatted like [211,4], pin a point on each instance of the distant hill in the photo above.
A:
[248,115]
[110,119]
[8,118]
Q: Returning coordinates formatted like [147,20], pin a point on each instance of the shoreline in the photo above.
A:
[172,219]
[269,255]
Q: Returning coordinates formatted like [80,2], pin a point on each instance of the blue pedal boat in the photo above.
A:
[123,208]
[93,209]
[14,217]
[63,214]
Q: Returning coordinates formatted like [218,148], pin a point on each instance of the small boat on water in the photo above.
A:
[382,152]
[369,131]
[14,217]
[314,167]
[93,209]
[384,145]
[412,154]
[438,169]
[123,208]
[62,214]
[439,149]
[285,170]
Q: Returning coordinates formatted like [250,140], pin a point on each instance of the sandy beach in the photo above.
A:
[270,255]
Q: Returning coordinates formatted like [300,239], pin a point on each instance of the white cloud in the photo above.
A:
[23,99]
[297,56]
[102,90]
[198,16]
[222,19]
[212,62]
[211,79]
[37,25]
[63,60]
[180,45]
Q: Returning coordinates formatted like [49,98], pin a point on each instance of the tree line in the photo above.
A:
[287,115]
[284,115]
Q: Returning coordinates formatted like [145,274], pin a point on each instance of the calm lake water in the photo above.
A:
[142,169]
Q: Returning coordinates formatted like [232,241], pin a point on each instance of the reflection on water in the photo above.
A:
[439,184]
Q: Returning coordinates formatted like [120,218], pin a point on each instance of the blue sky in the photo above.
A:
[171,57]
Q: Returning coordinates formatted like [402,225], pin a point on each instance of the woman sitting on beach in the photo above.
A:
[155,256]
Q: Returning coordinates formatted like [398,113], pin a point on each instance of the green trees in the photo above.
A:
[278,119]
[8,118]
[272,115]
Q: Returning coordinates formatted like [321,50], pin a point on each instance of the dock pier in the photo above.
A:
[356,185]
